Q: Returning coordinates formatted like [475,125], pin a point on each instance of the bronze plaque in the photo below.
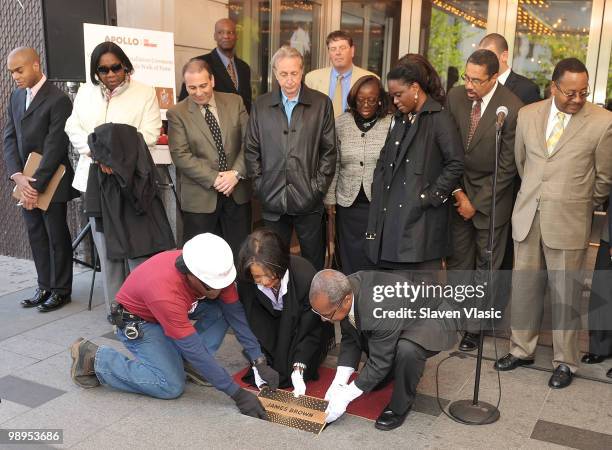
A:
[304,413]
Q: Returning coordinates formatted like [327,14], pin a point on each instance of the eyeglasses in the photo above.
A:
[115,68]
[475,81]
[572,94]
[367,101]
[324,317]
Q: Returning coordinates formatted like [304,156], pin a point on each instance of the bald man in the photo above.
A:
[35,121]
[231,73]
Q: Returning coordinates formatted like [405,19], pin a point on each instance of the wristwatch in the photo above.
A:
[238,175]
[300,367]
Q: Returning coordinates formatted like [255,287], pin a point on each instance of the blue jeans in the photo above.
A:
[157,369]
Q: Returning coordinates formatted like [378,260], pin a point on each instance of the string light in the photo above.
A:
[469,17]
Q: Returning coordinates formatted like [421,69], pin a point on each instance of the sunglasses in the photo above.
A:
[115,68]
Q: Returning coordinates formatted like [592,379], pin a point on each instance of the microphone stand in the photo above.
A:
[475,411]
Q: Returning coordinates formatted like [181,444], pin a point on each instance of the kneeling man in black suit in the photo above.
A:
[369,306]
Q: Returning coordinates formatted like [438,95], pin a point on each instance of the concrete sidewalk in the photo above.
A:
[37,392]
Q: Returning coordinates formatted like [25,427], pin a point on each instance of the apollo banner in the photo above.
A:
[151,53]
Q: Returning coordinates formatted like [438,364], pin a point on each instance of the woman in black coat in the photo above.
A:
[274,291]
[420,164]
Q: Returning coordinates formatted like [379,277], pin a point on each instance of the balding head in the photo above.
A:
[331,295]
[24,65]
[225,36]
[496,43]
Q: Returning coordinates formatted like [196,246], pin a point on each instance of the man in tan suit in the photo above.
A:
[206,132]
[336,81]
[563,153]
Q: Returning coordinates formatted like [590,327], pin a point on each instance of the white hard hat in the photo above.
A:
[210,259]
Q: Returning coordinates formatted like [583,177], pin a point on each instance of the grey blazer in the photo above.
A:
[356,161]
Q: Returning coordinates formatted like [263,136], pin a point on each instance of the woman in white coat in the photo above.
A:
[112,96]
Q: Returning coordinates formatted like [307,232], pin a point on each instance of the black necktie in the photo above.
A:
[213,125]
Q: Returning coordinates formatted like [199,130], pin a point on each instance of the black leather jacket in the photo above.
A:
[291,165]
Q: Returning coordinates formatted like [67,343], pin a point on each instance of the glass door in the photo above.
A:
[375,27]
[450,32]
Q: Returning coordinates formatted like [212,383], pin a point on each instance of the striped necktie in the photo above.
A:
[232,74]
[556,133]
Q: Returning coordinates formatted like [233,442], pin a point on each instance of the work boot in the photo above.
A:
[83,354]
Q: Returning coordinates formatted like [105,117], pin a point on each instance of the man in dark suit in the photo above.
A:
[521,86]
[206,138]
[474,106]
[397,347]
[232,74]
[35,121]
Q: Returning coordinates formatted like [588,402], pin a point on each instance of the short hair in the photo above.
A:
[573,65]
[333,284]
[286,51]
[485,58]
[266,248]
[338,35]
[102,49]
[384,106]
[415,68]
[196,65]
[497,40]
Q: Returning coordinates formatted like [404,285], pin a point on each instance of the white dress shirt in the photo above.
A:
[504,76]
[277,303]
[486,99]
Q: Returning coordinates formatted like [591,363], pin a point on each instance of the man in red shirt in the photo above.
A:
[154,325]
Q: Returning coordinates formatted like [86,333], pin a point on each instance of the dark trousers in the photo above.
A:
[309,231]
[600,304]
[351,225]
[229,220]
[408,368]
[470,260]
[51,247]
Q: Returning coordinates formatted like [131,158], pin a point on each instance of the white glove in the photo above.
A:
[342,396]
[343,373]
[299,387]
[258,380]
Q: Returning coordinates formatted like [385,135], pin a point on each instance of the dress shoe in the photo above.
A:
[56,301]
[561,377]
[592,358]
[40,296]
[609,373]
[83,354]
[469,342]
[511,362]
[388,420]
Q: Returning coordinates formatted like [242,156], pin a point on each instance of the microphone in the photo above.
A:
[501,114]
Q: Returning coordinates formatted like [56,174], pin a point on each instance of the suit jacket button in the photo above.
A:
[361,163]
[285,132]
[362,134]
[400,205]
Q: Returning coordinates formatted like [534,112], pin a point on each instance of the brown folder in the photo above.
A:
[44,198]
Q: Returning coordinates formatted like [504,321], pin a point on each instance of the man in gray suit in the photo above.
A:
[397,347]
[564,157]
[206,132]
[474,106]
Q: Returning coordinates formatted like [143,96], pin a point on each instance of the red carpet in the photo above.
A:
[368,406]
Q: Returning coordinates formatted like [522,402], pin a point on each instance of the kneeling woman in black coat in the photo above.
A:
[274,291]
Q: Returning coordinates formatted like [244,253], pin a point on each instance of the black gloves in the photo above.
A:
[268,374]
[249,404]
